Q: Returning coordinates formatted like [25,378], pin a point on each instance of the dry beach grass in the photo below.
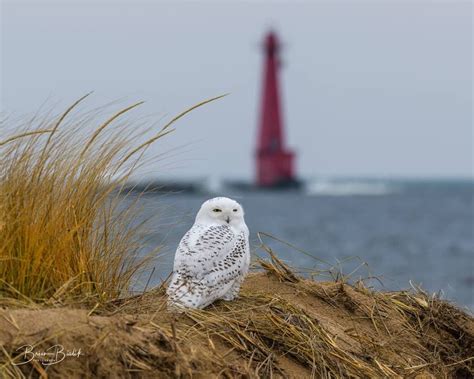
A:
[63,231]
[68,254]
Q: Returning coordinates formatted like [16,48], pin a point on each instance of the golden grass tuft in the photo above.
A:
[64,230]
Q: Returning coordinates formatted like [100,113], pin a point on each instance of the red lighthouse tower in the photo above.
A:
[274,162]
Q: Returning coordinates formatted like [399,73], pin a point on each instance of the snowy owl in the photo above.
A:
[213,256]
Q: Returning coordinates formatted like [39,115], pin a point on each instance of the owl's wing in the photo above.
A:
[201,248]
[234,265]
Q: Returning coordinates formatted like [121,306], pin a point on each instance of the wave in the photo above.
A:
[341,187]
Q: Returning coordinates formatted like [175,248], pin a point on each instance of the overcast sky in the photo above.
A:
[381,88]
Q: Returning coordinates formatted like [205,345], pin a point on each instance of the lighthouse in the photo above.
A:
[274,162]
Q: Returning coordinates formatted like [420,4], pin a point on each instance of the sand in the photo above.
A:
[281,326]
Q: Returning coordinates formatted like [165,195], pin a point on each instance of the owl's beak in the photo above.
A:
[227,219]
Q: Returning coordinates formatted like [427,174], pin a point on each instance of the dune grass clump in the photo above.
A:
[64,230]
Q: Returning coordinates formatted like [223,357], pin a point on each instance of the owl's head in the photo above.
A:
[221,210]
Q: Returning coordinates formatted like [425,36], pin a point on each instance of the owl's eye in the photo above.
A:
[216,210]
[235,210]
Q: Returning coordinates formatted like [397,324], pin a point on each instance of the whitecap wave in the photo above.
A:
[348,188]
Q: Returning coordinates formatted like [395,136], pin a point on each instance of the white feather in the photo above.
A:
[212,258]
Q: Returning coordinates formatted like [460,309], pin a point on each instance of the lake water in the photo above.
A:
[399,231]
